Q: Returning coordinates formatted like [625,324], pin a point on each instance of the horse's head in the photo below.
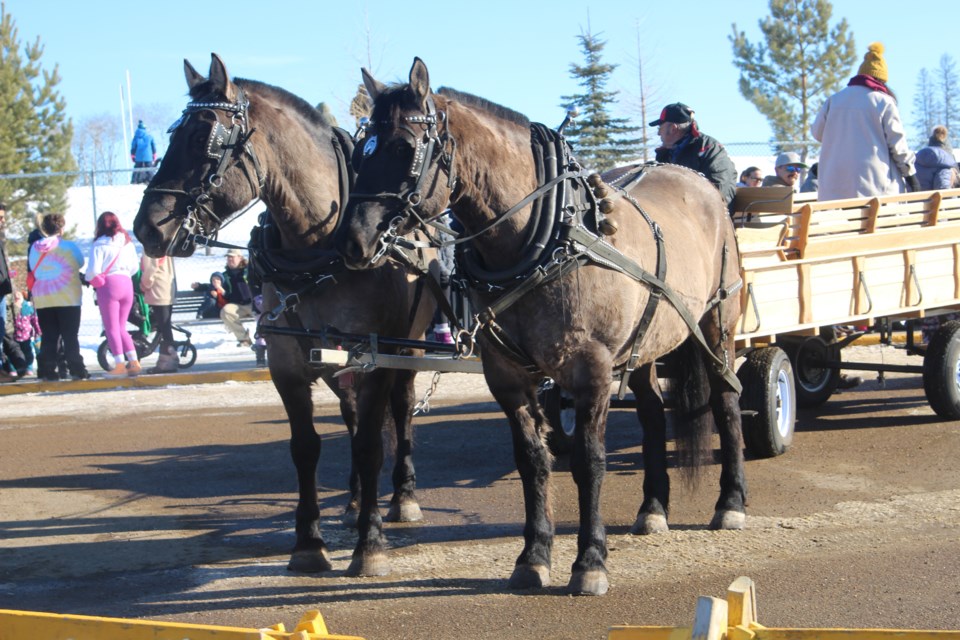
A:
[209,171]
[400,166]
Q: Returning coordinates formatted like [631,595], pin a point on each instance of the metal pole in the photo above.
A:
[123,126]
[93,195]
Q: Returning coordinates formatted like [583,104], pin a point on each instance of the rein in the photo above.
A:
[429,147]
[222,146]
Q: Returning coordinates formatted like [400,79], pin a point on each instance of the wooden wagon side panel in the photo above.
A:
[832,291]
[936,276]
[771,298]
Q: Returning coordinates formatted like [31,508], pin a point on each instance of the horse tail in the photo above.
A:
[693,415]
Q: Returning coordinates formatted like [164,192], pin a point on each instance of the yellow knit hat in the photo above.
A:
[873,63]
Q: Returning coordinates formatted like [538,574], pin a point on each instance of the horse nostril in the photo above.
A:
[352,250]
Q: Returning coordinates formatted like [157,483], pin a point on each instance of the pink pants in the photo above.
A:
[115,300]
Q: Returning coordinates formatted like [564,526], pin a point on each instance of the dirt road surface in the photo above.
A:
[177,504]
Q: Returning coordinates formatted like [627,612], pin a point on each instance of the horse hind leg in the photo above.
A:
[404,506]
[730,510]
[704,400]
[652,516]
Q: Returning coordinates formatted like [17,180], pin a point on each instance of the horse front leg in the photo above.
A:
[310,553]
[528,428]
[652,516]
[588,463]
[403,505]
[730,510]
[369,556]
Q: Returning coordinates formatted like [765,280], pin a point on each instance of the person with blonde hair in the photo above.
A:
[865,151]
[936,166]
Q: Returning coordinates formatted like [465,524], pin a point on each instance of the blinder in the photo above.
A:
[217,142]
[220,147]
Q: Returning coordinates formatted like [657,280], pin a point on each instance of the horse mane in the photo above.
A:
[482,103]
[397,97]
[288,99]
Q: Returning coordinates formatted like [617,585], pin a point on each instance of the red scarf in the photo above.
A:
[869,82]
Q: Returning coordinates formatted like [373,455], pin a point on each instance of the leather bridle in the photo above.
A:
[430,146]
[226,147]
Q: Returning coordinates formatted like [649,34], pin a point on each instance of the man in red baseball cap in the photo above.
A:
[683,144]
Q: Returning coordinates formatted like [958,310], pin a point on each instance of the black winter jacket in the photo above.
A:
[707,156]
[5,285]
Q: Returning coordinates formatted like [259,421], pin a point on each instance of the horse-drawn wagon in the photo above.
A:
[567,283]
[808,266]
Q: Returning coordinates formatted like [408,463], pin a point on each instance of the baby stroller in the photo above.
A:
[146,340]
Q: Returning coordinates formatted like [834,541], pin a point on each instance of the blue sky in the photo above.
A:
[515,53]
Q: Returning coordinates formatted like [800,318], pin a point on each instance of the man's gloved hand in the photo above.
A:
[133,158]
[913,185]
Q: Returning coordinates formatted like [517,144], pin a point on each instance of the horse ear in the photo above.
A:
[419,80]
[220,77]
[193,78]
[374,88]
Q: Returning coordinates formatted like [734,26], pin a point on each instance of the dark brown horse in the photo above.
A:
[570,287]
[239,140]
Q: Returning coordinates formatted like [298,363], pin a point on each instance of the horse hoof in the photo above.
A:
[530,576]
[370,565]
[310,561]
[588,583]
[404,512]
[649,523]
[732,520]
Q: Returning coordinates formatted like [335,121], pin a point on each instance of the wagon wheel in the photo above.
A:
[768,402]
[563,420]
[814,383]
[941,371]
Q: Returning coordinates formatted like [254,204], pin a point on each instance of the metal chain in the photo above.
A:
[424,405]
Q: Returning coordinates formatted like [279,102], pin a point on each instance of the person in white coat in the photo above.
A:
[113,263]
[864,148]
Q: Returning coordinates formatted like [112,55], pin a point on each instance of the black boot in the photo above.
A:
[80,373]
[261,351]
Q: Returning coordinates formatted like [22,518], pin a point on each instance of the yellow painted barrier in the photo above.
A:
[736,619]
[30,625]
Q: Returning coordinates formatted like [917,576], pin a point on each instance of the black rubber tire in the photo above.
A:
[814,385]
[560,440]
[104,357]
[769,395]
[941,371]
[188,355]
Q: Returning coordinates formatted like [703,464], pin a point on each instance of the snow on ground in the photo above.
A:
[85,204]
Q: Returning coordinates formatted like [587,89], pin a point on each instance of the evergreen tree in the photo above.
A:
[926,108]
[599,140]
[35,132]
[800,64]
[949,93]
